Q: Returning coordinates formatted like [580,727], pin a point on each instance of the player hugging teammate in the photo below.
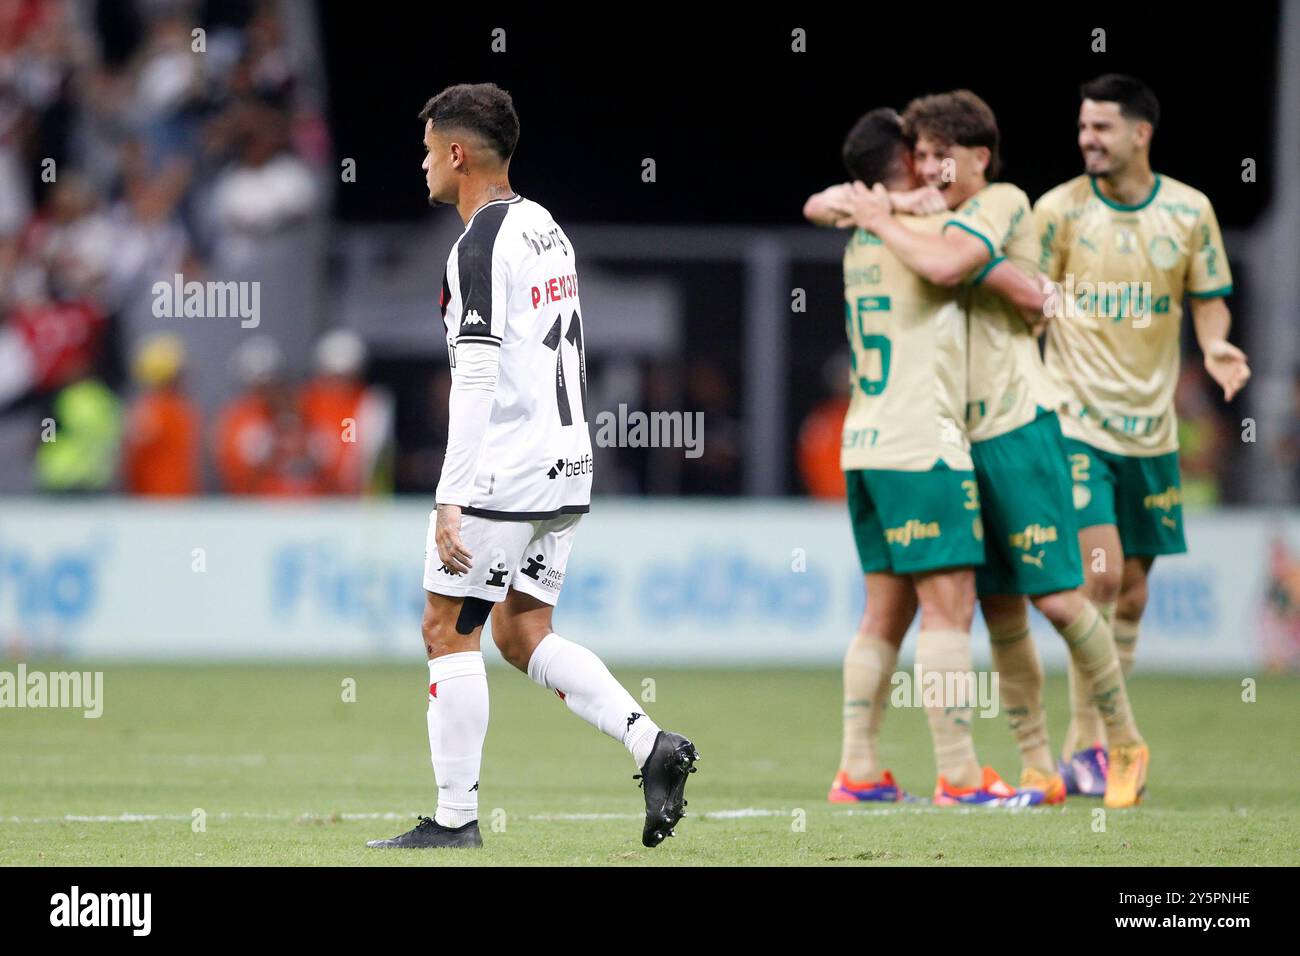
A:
[948,385]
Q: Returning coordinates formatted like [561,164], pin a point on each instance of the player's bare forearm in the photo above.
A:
[944,259]
[1212,319]
[829,207]
[1224,362]
[1016,287]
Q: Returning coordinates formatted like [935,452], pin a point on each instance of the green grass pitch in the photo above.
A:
[286,772]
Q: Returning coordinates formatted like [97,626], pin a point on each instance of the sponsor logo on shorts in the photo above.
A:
[1082,497]
[565,468]
[1166,500]
[1033,534]
[913,530]
[535,568]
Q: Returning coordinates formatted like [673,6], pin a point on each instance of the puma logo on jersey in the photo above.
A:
[472,318]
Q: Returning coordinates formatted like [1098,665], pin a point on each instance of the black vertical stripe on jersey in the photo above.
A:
[474,262]
[444,294]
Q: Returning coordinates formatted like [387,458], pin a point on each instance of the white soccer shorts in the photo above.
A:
[529,556]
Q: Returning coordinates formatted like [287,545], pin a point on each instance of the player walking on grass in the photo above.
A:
[516,478]
[912,494]
[1016,443]
[1128,245]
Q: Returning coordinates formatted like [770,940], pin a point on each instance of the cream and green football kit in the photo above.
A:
[912,493]
[1124,270]
[1016,445]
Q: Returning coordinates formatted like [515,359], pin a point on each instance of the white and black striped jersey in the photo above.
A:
[511,286]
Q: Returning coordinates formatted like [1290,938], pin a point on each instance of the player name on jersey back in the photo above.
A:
[907,348]
[511,283]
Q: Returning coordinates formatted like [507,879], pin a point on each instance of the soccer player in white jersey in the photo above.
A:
[516,479]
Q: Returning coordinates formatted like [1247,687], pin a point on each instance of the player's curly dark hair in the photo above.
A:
[482,108]
[1136,100]
[876,146]
[959,117]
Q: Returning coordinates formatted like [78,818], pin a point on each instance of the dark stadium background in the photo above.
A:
[742,129]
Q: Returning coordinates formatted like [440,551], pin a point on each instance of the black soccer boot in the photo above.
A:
[429,834]
[663,778]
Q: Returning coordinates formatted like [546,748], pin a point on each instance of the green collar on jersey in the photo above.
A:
[1120,206]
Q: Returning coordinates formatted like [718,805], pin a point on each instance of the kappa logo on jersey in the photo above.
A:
[632,719]
[472,318]
[571,469]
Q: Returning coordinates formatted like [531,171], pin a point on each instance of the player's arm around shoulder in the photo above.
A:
[944,259]
[830,207]
[833,206]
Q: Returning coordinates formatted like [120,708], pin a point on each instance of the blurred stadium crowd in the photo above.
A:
[125,158]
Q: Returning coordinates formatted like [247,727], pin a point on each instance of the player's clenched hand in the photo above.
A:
[870,206]
[446,535]
[919,202]
[1227,365]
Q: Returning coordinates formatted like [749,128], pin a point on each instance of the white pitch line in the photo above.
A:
[738,813]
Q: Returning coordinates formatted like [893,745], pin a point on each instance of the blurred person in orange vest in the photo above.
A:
[161,447]
[821,432]
[261,439]
[349,423]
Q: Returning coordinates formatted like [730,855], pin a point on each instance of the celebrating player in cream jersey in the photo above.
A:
[912,495]
[1127,244]
[516,478]
[1016,443]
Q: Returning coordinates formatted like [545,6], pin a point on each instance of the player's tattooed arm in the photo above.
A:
[1225,363]
[945,259]
[446,533]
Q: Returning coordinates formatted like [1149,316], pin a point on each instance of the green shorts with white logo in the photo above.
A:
[1033,536]
[908,522]
[1142,497]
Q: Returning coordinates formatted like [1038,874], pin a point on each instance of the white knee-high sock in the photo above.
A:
[458,720]
[590,691]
